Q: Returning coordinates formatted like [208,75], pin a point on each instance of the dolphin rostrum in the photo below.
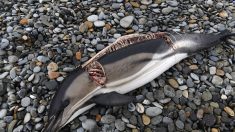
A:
[127,64]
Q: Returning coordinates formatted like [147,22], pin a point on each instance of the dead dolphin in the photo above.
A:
[127,64]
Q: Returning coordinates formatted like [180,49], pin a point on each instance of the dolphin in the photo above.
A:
[127,64]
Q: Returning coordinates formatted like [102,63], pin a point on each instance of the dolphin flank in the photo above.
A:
[127,64]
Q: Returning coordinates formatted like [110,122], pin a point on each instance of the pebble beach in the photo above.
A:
[42,41]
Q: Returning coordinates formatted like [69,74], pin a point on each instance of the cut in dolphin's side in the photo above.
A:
[127,64]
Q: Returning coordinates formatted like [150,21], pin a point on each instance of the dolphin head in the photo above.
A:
[71,95]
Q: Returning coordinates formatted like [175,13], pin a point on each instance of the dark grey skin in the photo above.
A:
[118,65]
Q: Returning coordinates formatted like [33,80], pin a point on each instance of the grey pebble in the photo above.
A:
[36,69]
[99,23]
[92,18]
[51,84]
[9,29]
[179,124]
[107,119]
[42,59]
[126,21]
[167,10]
[3,113]
[41,108]
[38,126]
[169,91]
[89,125]
[172,2]
[153,111]
[216,80]
[19,128]
[156,120]
[206,96]
[4,43]
[25,101]
[120,125]
[12,59]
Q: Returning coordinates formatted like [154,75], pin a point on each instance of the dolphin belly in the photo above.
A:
[151,71]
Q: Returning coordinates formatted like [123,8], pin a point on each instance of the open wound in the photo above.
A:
[96,72]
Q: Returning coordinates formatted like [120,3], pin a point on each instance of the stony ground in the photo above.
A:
[42,40]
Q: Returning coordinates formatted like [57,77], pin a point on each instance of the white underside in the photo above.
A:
[151,71]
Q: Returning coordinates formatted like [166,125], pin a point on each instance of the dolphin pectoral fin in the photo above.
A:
[113,99]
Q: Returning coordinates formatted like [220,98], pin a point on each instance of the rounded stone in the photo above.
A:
[153,111]
[107,119]
[120,125]
[99,23]
[25,101]
[126,21]
[92,18]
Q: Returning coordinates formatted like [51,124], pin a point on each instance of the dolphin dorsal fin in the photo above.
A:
[128,40]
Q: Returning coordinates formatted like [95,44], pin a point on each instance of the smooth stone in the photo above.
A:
[31,77]
[126,21]
[51,84]
[194,76]
[99,23]
[38,126]
[120,125]
[153,111]
[139,108]
[169,91]
[4,43]
[9,29]
[179,124]
[146,2]
[42,59]
[92,18]
[3,113]
[41,108]
[229,111]
[206,96]
[173,83]
[13,59]
[89,124]
[107,119]
[216,80]
[25,101]
[167,10]
[36,69]
[212,70]
[156,120]
[172,2]
[19,128]
[27,117]
[3,75]
[57,30]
